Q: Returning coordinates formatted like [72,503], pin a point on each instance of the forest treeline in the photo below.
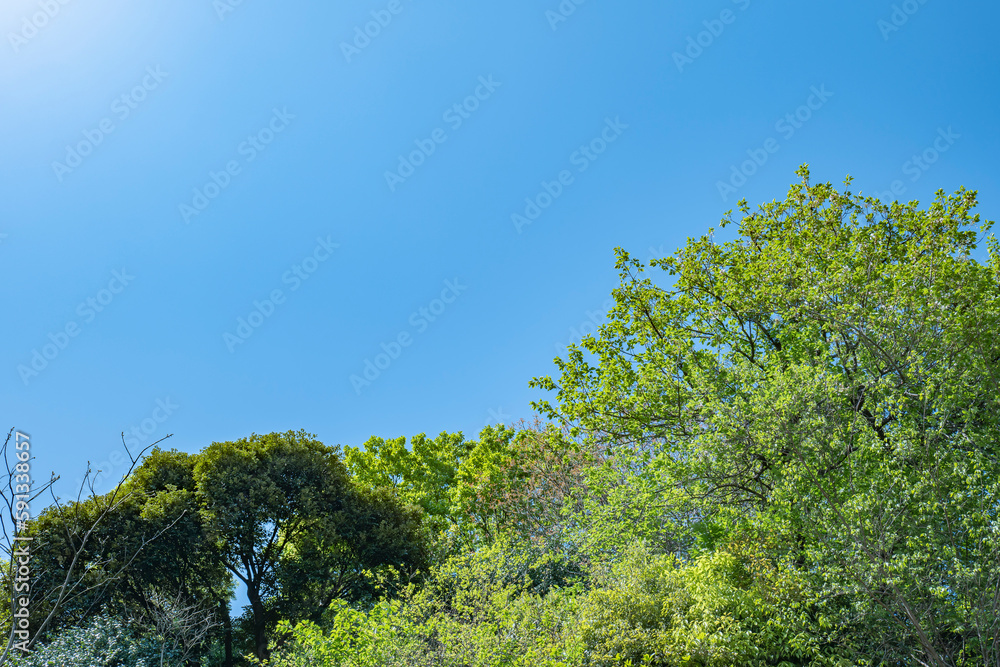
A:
[781,449]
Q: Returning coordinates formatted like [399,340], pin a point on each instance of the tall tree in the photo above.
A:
[258,495]
[292,526]
[148,547]
[71,563]
[831,375]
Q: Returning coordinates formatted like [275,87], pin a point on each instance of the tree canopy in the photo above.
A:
[827,376]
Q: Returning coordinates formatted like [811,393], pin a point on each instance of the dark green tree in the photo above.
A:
[356,555]
[145,547]
[257,496]
[291,525]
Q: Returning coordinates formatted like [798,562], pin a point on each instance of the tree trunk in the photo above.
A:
[259,629]
[227,633]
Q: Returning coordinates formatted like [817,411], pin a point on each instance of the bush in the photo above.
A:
[471,613]
[104,641]
[727,607]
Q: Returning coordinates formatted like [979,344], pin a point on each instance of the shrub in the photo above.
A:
[472,612]
[104,641]
[727,607]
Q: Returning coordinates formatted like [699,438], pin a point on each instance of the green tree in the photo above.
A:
[101,552]
[149,545]
[181,570]
[514,481]
[290,524]
[182,561]
[258,495]
[368,551]
[829,375]
[523,487]
[422,474]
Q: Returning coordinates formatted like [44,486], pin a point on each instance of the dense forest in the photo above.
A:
[782,448]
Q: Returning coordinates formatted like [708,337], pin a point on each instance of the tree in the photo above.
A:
[828,376]
[367,551]
[150,546]
[514,480]
[68,568]
[524,485]
[258,495]
[183,563]
[290,524]
[423,474]
[177,584]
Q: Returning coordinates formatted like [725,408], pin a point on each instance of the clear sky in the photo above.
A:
[214,214]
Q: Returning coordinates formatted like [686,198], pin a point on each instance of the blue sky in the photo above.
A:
[171,169]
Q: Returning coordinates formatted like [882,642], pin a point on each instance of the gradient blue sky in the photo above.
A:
[221,75]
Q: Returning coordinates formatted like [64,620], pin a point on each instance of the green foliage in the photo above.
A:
[781,450]
[728,607]
[258,495]
[162,531]
[829,378]
[521,480]
[376,548]
[260,492]
[377,637]
[103,641]
[466,615]
[724,609]
[56,536]
[290,524]
[627,501]
[523,493]
[422,474]
[149,541]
